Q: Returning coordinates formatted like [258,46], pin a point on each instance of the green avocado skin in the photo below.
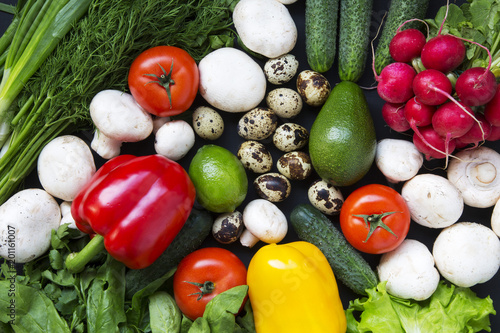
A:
[342,141]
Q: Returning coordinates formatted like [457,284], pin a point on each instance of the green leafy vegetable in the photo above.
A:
[477,21]
[457,309]
[164,313]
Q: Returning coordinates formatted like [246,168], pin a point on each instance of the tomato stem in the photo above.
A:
[373,221]
[165,80]
[205,288]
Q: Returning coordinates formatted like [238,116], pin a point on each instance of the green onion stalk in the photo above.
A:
[96,55]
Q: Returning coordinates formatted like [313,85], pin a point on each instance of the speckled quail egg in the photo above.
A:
[207,123]
[290,136]
[228,227]
[295,165]
[282,69]
[285,102]
[255,156]
[313,87]
[257,124]
[272,186]
[325,197]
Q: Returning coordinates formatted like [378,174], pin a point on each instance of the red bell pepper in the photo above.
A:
[135,206]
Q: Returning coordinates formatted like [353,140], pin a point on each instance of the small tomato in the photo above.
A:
[164,80]
[375,219]
[202,275]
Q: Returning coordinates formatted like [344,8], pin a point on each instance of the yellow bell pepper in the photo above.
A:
[292,288]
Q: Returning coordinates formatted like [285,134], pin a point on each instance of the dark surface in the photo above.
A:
[231,141]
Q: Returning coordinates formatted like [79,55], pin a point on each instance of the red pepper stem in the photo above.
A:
[76,261]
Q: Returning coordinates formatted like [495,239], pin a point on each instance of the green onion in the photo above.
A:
[95,55]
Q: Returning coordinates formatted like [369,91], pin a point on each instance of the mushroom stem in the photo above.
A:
[248,239]
[76,261]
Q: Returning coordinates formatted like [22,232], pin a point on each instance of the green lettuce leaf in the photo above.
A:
[450,309]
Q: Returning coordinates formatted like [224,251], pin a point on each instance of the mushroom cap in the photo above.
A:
[230,80]
[433,200]
[399,160]
[409,271]
[64,166]
[26,221]
[475,172]
[467,253]
[265,221]
[118,116]
[174,139]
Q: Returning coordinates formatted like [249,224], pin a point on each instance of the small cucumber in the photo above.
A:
[321,18]
[347,263]
[197,227]
[354,38]
[399,12]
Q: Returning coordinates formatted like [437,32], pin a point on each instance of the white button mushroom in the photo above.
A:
[26,223]
[409,271]
[399,160]
[475,172]
[67,218]
[263,221]
[467,253]
[265,27]
[495,218]
[64,166]
[433,201]
[174,139]
[230,80]
[119,119]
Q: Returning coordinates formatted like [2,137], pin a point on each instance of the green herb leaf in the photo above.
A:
[29,310]
[165,315]
[106,294]
[221,311]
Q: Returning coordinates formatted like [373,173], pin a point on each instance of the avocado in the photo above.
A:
[342,139]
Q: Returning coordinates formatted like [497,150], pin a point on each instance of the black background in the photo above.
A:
[231,141]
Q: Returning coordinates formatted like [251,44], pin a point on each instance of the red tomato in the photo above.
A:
[367,205]
[160,71]
[202,275]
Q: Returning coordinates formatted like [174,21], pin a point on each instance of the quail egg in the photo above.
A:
[325,197]
[313,87]
[295,165]
[290,136]
[207,123]
[272,186]
[228,227]
[257,124]
[285,102]
[282,69]
[255,156]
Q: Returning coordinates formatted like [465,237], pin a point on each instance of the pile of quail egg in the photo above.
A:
[259,127]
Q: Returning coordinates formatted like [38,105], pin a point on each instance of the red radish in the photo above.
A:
[479,132]
[395,82]
[393,114]
[417,113]
[443,53]
[476,86]
[492,109]
[452,121]
[406,45]
[495,134]
[432,87]
[431,144]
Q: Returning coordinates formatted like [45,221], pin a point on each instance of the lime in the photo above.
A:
[219,178]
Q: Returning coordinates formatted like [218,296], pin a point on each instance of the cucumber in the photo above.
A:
[321,18]
[197,227]
[347,263]
[354,38]
[399,12]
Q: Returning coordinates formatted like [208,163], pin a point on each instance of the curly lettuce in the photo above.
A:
[449,309]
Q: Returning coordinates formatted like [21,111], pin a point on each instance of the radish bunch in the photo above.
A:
[443,113]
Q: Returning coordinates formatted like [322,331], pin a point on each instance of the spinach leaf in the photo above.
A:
[106,295]
[29,309]
[165,315]
[221,311]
